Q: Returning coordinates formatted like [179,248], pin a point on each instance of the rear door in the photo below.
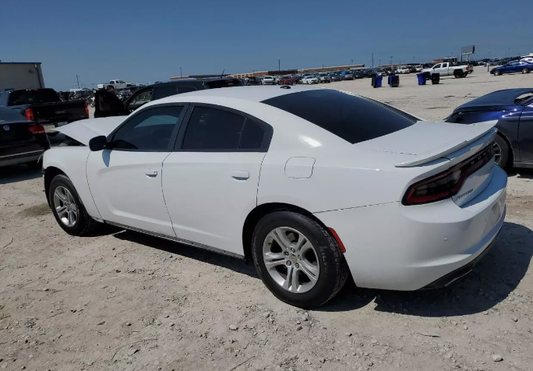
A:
[210,181]
[125,180]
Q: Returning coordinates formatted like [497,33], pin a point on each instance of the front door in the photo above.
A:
[125,180]
[525,135]
[210,182]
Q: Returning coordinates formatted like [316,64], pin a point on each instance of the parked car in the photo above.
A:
[447,69]
[310,79]
[403,70]
[252,81]
[271,155]
[358,74]
[419,68]
[115,84]
[269,80]
[286,80]
[324,77]
[335,76]
[108,104]
[347,75]
[21,141]
[513,67]
[44,106]
[513,109]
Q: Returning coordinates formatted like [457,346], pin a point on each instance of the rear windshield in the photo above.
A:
[33,96]
[354,119]
[8,115]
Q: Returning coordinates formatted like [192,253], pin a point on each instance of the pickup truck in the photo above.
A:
[44,106]
[447,69]
[115,84]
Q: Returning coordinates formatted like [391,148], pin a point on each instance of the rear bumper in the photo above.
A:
[20,158]
[395,247]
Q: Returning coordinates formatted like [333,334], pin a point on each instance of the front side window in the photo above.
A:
[149,130]
[212,129]
[354,119]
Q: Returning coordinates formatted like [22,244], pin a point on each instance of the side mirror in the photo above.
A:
[98,143]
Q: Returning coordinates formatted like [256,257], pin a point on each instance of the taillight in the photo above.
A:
[86,109]
[29,114]
[446,184]
[36,129]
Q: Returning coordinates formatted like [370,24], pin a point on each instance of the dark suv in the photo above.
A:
[108,104]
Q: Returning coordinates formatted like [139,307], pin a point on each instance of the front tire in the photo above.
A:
[501,152]
[68,209]
[525,70]
[297,259]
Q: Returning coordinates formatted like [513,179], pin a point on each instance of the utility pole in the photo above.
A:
[78,80]
[372,60]
[352,62]
[413,60]
[391,60]
[181,73]
[379,62]
[279,64]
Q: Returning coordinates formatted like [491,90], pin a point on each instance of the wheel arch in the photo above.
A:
[259,212]
[50,173]
[510,146]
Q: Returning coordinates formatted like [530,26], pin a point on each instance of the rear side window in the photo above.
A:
[33,97]
[352,118]
[212,129]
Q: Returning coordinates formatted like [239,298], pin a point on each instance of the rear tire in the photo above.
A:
[501,151]
[319,266]
[525,70]
[75,221]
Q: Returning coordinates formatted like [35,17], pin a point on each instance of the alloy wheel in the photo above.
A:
[497,152]
[65,206]
[291,260]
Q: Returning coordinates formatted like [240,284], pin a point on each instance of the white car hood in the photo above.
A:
[84,130]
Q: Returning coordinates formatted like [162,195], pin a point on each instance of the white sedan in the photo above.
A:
[309,80]
[311,184]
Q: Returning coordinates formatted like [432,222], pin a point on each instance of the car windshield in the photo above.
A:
[33,96]
[524,99]
[354,119]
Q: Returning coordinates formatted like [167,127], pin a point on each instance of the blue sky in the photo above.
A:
[143,41]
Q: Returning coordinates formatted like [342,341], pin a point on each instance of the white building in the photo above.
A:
[21,75]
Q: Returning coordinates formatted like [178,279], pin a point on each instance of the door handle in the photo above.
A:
[151,173]
[240,175]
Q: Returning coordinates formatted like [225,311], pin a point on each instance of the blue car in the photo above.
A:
[512,67]
[513,108]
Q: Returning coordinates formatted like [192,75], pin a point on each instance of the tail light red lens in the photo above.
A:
[36,129]
[29,114]
[448,183]
[86,109]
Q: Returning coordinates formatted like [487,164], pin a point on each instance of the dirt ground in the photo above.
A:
[124,301]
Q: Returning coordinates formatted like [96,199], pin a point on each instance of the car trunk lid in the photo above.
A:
[436,148]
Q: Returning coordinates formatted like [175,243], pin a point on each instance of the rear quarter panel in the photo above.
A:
[72,161]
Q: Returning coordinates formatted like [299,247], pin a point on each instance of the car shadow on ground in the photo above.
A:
[206,256]
[491,282]
[522,173]
[18,173]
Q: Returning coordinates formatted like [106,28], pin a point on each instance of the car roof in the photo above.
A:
[504,97]
[244,93]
